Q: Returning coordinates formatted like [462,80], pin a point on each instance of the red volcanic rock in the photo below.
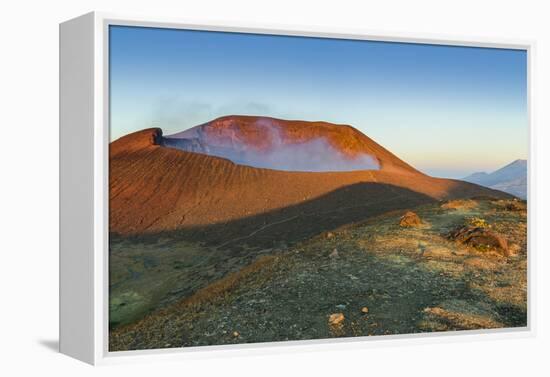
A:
[136,142]
[410,219]
[481,238]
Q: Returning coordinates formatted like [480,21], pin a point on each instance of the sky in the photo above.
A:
[448,111]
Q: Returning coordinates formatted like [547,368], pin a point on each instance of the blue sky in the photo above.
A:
[448,111]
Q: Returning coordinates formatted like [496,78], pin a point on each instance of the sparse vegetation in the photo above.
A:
[459,204]
[385,279]
[476,222]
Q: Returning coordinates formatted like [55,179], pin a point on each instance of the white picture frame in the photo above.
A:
[84,164]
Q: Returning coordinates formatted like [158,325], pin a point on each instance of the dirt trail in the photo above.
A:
[304,215]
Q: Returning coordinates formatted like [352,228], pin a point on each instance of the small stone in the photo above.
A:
[410,219]
[364,310]
[336,319]
[334,253]
[236,334]
[514,248]
[341,306]
[330,235]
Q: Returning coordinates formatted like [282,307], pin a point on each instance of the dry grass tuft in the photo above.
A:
[459,204]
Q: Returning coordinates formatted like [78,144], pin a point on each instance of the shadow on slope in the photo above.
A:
[153,270]
[286,226]
[157,189]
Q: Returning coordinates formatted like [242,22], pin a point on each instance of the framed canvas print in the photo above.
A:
[226,187]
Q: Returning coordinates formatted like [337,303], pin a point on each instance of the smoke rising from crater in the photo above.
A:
[274,152]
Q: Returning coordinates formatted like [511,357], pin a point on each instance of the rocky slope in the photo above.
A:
[375,278]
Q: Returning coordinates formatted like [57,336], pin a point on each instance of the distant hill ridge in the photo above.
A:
[511,178]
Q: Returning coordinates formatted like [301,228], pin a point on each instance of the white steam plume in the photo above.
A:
[316,155]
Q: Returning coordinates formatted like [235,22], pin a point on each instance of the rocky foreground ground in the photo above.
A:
[455,265]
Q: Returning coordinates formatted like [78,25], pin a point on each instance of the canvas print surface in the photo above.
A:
[271,188]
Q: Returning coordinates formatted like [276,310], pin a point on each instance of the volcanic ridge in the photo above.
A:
[226,176]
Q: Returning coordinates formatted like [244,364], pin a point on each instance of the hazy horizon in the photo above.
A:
[448,111]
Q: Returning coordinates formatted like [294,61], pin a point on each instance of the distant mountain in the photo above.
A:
[511,179]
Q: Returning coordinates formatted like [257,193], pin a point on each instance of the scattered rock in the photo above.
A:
[336,319]
[236,334]
[410,219]
[481,238]
[514,248]
[511,205]
[515,206]
[334,253]
[436,311]
[364,310]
